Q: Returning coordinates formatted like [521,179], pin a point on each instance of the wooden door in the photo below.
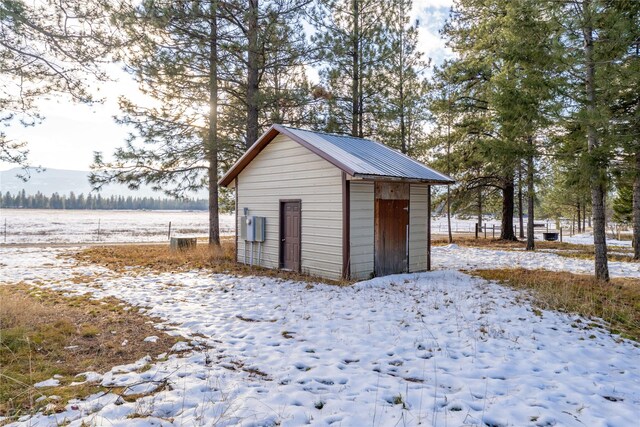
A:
[391,254]
[290,231]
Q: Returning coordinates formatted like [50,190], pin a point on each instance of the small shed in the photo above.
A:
[332,206]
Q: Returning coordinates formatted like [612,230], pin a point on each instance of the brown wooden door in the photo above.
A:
[290,235]
[391,230]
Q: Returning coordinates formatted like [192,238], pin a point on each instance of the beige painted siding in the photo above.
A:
[418,227]
[361,219]
[287,170]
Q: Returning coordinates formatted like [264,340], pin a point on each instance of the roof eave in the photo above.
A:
[368,177]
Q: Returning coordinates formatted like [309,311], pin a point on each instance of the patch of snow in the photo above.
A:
[180,346]
[587,239]
[51,382]
[439,348]
[466,258]
[152,338]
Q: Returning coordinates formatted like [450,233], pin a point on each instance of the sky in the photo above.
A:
[71,133]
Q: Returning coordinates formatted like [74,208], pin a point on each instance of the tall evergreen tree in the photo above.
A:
[174,56]
[500,82]
[353,38]
[402,104]
[203,65]
[596,36]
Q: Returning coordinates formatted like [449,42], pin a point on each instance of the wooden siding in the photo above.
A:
[418,227]
[286,170]
[361,229]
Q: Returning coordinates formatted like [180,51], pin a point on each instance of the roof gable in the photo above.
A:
[357,157]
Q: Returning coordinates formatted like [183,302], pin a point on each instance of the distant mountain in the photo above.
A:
[63,182]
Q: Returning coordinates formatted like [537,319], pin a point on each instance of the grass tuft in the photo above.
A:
[617,302]
[43,333]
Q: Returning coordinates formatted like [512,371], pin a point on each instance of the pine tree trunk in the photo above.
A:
[449,172]
[355,83]
[403,130]
[479,207]
[252,73]
[449,213]
[597,178]
[579,215]
[530,198]
[212,135]
[584,217]
[520,207]
[508,193]
[636,209]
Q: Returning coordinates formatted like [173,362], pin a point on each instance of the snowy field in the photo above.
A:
[466,258]
[437,349]
[98,226]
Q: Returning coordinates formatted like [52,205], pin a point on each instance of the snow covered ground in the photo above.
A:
[466,258]
[90,226]
[587,239]
[438,349]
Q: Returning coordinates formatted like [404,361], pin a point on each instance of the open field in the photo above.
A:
[27,226]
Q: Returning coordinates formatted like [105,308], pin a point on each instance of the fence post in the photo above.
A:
[169,234]
[476,230]
[485,231]
[98,229]
[560,234]
[494,231]
[5,230]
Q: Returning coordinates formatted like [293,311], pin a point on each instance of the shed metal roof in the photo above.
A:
[358,157]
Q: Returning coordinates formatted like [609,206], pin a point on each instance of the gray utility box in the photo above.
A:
[252,228]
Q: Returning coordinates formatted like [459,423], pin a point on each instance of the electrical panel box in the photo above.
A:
[252,228]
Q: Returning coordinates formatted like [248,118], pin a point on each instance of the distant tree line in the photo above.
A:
[21,200]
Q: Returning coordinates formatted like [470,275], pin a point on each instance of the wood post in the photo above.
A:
[494,231]
[476,231]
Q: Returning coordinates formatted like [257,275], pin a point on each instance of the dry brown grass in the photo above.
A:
[617,302]
[160,258]
[43,334]
[564,249]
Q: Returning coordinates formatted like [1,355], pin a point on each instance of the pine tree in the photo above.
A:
[625,110]
[402,102]
[597,35]
[175,58]
[352,36]
[499,84]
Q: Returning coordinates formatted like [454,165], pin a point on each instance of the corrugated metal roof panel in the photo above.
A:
[367,157]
